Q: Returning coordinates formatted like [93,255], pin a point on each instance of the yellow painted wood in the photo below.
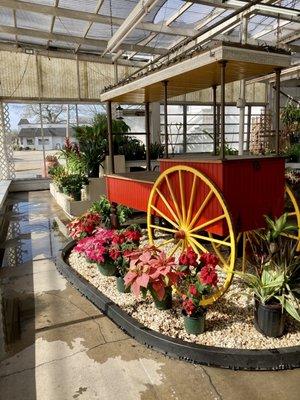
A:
[296,213]
[185,221]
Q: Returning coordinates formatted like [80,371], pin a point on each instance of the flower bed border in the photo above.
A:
[237,359]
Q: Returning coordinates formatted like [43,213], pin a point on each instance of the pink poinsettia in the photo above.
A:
[151,269]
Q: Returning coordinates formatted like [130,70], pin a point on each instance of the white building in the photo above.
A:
[30,135]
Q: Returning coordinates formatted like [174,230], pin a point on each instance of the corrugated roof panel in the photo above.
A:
[69,26]
[30,20]
[193,15]
[7,37]
[44,2]
[86,5]
[100,31]
[6,16]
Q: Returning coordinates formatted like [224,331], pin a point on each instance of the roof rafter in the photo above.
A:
[139,11]
[267,10]
[99,44]
[91,17]
[89,25]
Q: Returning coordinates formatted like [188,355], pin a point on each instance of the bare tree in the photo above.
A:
[51,113]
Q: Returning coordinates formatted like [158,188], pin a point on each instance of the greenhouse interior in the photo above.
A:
[150,199]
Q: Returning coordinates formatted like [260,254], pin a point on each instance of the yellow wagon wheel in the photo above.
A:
[293,212]
[181,197]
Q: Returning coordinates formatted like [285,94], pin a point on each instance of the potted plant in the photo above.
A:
[96,248]
[84,225]
[275,281]
[199,278]
[124,243]
[151,270]
[104,208]
[50,161]
[57,173]
[72,185]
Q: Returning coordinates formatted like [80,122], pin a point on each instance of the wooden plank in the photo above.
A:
[199,72]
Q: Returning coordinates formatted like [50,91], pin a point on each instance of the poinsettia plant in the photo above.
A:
[151,270]
[107,245]
[84,225]
[198,280]
[125,241]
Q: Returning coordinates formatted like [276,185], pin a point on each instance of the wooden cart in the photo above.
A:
[205,203]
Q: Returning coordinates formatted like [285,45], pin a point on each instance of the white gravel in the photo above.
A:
[229,322]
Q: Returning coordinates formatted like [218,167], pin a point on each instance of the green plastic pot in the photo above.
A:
[269,319]
[121,285]
[107,268]
[194,325]
[166,302]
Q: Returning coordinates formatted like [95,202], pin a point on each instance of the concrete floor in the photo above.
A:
[68,349]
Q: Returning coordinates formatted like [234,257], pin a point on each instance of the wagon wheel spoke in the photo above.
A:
[290,196]
[191,202]
[165,217]
[211,239]
[199,212]
[174,249]
[174,198]
[165,243]
[182,198]
[176,217]
[162,228]
[198,245]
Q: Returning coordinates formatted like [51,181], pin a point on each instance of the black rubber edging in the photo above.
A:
[237,359]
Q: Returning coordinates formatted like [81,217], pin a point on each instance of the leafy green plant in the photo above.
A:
[73,183]
[57,173]
[93,141]
[293,153]
[278,226]
[290,116]
[156,150]
[103,207]
[279,281]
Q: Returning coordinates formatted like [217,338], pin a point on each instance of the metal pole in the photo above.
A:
[43,138]
[148,133]
[277,111]
[110,139]
[215,122]
[165,83]
[184,131]
[222,147]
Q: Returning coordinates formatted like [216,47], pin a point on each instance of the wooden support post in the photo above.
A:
[215,120]
[222,145]
[148,133]
[110,139]
[248,128]
[184,130]
[165,83]
[277,111]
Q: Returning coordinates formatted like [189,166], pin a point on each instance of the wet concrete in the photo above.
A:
[67,349]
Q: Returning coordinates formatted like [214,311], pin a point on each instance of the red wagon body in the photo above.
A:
[251,187]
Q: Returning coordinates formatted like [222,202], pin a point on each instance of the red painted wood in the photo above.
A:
[251,188]
[131,193]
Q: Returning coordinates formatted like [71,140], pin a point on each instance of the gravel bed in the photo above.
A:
[229,321]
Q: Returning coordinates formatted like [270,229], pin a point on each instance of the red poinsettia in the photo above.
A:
[208,275]
[84,226]
[188,258]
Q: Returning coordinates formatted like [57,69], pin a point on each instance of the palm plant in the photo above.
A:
[93,141]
